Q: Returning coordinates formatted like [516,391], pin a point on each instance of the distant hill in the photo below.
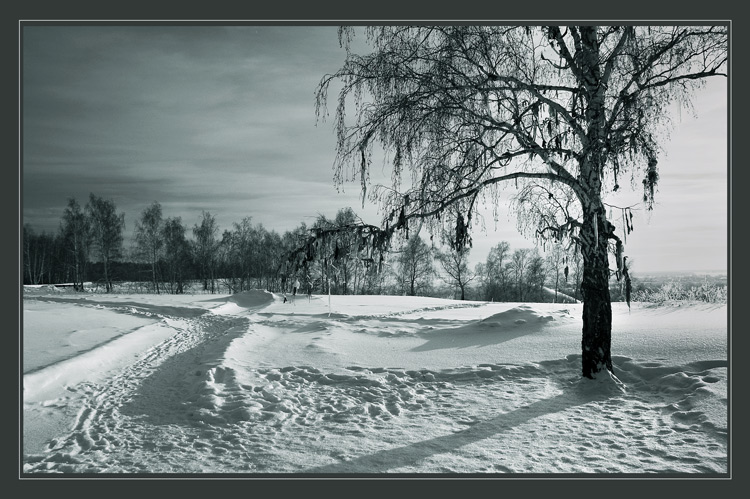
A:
[690,278]
[677,273]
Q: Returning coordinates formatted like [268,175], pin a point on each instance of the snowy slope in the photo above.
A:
[370,384]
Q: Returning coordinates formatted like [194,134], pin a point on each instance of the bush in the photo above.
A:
[675,291]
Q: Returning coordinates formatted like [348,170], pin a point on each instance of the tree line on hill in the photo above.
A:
[167,255]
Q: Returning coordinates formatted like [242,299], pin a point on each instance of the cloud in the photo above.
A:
[222,118]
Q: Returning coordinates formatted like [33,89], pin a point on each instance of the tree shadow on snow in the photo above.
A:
[577,393]
[472,336]
[498,328]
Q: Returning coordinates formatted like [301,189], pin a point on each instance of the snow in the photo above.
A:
[340,385]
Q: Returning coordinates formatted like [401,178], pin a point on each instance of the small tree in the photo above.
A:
[494,273]
[467,109]
[244,246]
[39,256]
[148,238]
[205,250]
[346,246]
[271,257]
[75,230]
[518,265]
[456,266]
[414,267]
[557,267]
[106,230]
[176,254]
[536,277]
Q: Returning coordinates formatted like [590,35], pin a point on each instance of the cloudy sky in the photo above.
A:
[222,119]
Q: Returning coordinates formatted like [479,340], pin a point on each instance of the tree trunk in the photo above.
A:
[557,283]
[108,284]
[153,273]
[597,306]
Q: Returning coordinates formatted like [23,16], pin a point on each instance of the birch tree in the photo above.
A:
[148,237]
[75,230]
[468,109]
[414,267]
[106,232]
[455,264]
[205,249]
[176,254]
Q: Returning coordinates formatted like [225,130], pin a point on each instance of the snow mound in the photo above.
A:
[262,386]
[501,327]
[245,302]
[518,316]
[252,299]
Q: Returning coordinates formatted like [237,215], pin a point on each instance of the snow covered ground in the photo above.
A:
[247,384]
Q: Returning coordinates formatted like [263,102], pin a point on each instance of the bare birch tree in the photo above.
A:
[148,237]
[106,231]
[455,264]
[75,230]
[205,249]
[466,109]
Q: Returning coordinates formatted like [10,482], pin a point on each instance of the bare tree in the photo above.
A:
[33,259]
[494,273]
[469,108]
[556,264]
[106,230]
[176,254]
[271,256]
[519,263]
[148,237]
[345,250]
[414,267]
[205,249]
[456,265]
[40,256]
[75,229]
[536,277]
[245,247]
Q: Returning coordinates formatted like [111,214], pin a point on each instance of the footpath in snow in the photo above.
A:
[368,384]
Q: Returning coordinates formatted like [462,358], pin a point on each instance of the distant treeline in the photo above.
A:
[690,287]
[168,256]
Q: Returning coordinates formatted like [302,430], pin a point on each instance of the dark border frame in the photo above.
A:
[222,12]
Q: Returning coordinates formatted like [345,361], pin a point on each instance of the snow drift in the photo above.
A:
[249,384]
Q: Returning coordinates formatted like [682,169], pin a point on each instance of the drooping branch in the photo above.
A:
[466,108]
[371,242]
[454,197]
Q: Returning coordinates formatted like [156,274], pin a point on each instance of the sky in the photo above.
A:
[222,119]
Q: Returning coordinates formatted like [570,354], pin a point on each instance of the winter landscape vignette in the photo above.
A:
[350,348]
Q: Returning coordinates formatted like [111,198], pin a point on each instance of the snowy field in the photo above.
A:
[246,384]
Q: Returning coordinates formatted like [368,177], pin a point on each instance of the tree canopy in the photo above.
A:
[568,114]
[466,108]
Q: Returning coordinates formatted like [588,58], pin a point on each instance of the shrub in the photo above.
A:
[675,291]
